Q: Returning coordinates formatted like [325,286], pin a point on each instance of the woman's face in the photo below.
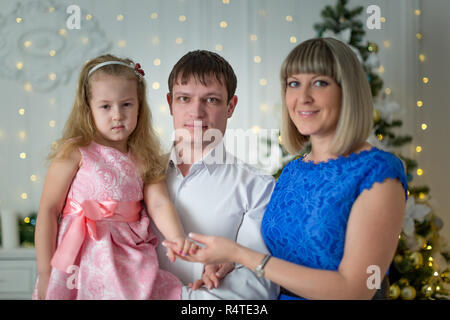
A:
[314,104]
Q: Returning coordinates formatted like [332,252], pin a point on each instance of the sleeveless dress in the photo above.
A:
[306,219]
[116,258]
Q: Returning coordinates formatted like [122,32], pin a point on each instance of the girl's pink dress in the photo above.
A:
[116,260]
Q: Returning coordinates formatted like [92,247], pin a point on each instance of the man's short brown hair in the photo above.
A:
[202,64]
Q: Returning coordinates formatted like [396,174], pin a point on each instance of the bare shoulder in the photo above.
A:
[69,162]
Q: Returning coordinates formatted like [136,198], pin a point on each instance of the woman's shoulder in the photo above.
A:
[382,158]
[381,165]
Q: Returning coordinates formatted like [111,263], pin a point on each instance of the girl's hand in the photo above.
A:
[42,286]
[212,274]
[179,246]
[216,250]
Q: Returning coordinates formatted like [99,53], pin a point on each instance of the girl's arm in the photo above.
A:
[373,228]
[165,217]
[57,182]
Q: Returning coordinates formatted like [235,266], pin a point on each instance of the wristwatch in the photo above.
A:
[259,271]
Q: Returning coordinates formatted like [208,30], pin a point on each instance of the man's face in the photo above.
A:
[200,112]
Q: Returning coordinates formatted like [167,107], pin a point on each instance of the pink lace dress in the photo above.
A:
[116,256]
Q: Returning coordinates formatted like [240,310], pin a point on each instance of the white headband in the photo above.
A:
[137,67]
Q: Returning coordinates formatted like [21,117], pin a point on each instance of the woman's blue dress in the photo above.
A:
[306,219]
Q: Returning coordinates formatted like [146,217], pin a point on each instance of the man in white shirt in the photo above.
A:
[213,192]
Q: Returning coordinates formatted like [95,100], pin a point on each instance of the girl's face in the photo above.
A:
[115,106]
[314,104]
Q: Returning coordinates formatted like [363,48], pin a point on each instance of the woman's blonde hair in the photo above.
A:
[80,129]
[332,58]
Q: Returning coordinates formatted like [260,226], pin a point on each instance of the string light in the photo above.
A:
[22,155]
[257,59]
[424,126]
[256,129]
[223,24]
[154,16]
[264,107]
[28,87]
[24,196]
[157,62]
[419,103]
[425,80]
[155,85]
[253,37]
[419,172]
[219,47]
[155,40]
[262,81]
[119,17]
[18,19]
[21,111]
[289,18]
[418,149]
[182,18]
[163,109]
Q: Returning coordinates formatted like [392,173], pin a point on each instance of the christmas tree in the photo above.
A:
[420,268]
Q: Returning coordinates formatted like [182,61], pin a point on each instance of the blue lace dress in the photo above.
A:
[306,219]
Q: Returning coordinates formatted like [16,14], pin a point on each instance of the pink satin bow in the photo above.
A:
[85,215]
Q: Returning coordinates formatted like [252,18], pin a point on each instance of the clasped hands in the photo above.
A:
[213,253]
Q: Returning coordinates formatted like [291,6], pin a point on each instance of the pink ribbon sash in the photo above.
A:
[85,215]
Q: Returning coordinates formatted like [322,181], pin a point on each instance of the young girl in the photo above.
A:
[107,161]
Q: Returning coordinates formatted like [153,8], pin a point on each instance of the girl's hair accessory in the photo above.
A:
[136,67]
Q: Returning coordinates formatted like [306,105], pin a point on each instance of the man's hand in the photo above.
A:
[212,274]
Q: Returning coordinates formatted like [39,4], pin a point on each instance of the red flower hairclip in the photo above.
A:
[137,68]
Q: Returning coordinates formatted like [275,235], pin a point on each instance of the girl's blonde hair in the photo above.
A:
[80,129]
[332,58]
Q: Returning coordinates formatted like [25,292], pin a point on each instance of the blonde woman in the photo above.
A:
[93,239]
[334,218]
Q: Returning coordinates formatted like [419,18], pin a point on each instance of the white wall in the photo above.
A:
[435,158]
[145,39]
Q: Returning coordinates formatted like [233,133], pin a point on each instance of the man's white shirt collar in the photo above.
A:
[216,156]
